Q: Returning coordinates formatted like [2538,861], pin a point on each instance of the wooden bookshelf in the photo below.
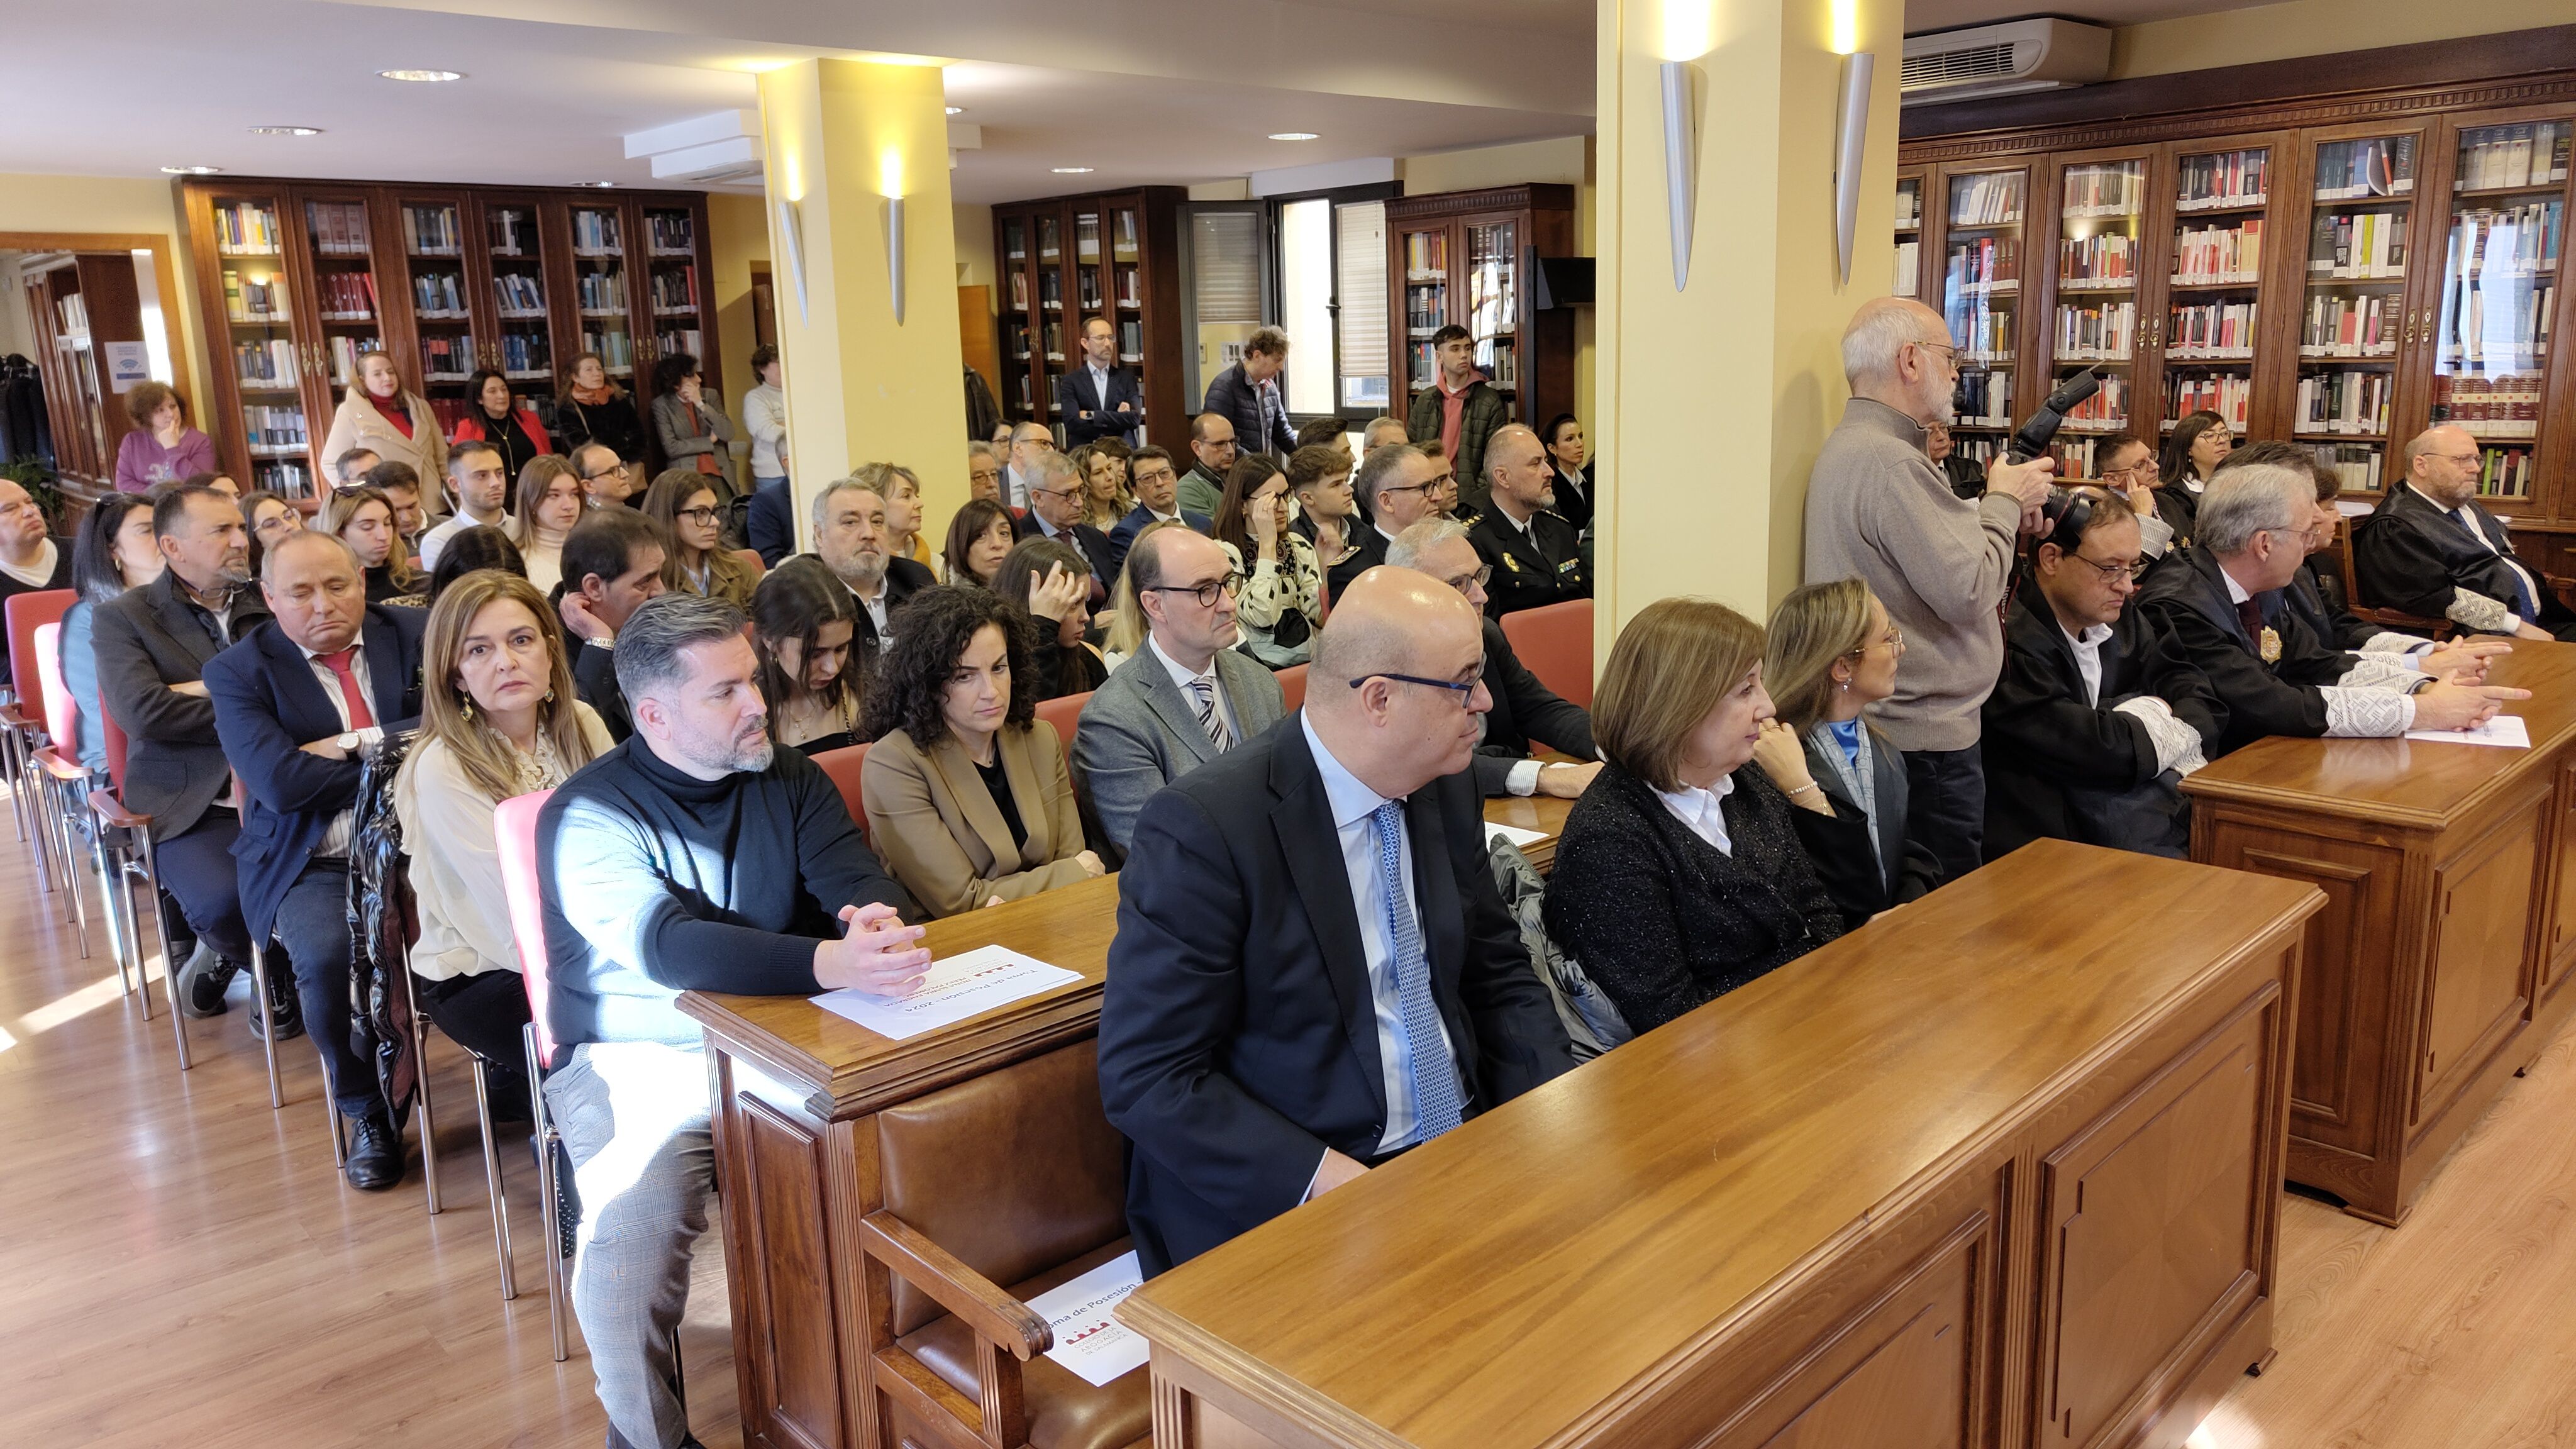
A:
[296,278]
[1464,257]
[1910,194]
[79,302]
[1064,260]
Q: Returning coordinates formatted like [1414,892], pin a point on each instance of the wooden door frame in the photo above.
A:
[165,277]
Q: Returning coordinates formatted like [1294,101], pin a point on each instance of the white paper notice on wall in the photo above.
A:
[129,365]
[955,988]
[1088,1340]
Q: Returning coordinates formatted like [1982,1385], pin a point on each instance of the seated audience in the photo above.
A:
[270,518]
[1523,709]
[114,553]
[1963,475]
[352,467]
[612,563]
[1055,511]
[802,622]
[2222,600]
[2128,467]
[852,539]
[493,416]
[984,467]
[218,482]
[607,481]
[479,488]
[2432,550]
[1283,589]
[401,487]
[2098,716]
[693,431]
[769,527]
[162,447]
[638,911]
[1327,431]
[1830,652]
[1319,478]
[152,643]
[980,536]
[1340,853]
[1103,472]
[900,487]
[1157,501]
[479,547]
[1535,553]
[2318,606]
[363,518]
[298,701]
[966,791]
[1568,459]
[1044,580]
[549,505]
[2198,444]
[1679,876]
[1202,488]
[32,559]
[1184,694]
[1402,485]
[593,409]
[691,513]
[1029,441]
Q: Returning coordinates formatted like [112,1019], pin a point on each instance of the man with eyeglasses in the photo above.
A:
[1524,709]
[1403,484]
[2098,715]
[1055,511]
[606,481]
[2431,549]
[1157,488]
[1202,488]
[1029,442]
[1877,510]
[1184,698]
[1313,972]
[482,487]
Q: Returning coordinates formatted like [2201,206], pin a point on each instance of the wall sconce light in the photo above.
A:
[791,235]
[1681,159]
[894,255]
[1851,141]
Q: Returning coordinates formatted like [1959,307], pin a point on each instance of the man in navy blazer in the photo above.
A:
[297,702]
[1313,972]
[1099,399]
[1158,500]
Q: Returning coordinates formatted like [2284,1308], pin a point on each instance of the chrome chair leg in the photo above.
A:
[549,1196]
[109,916]
[420,1083]
[73,885]
[169,964]
[268,1037]
[492,1177]
[13,759]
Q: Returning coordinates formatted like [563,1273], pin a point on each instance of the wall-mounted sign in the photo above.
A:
[129,365]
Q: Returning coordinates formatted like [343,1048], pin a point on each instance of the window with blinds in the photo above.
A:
[1225,267]
[1360,288]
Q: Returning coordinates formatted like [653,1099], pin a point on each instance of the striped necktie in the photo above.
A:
[1210,719]
[1436,1108]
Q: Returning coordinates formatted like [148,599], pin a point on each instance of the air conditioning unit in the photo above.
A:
[2002,60]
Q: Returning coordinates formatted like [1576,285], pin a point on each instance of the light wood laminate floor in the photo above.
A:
[182,1266]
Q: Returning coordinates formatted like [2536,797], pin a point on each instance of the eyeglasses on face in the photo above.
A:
[1453,686]
[1230,585]
[2146,467]
[2113,572]
[1894,639]
[699,516]
[1476,580]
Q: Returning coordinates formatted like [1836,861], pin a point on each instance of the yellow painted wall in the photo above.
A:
[2315,27]
[127,205]
[738,236]
[1566,160]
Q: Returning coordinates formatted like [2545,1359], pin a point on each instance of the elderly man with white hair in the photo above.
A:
[1878,509]
[2222,600]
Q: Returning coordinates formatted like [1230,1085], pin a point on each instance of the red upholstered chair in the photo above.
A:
[62,786]
[843,766]
[752,557]
[514,830]
[1065,713]
[22,721]
[1292,687]
[1555,643]
[127,839]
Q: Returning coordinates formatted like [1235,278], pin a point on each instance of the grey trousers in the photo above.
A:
[634,1118]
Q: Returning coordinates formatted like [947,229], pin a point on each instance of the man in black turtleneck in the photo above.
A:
[695,856]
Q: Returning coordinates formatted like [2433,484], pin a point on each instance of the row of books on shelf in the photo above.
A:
[600,291]
[345,352]
[347,296]
[2104,259]
[2116,189]
[2493,157]
[1992,198]
[526,354]
[246,227]
[71,315]
[2095,332]
[265,366]
[2212,331]
[1087,287]
[1491,305]
[285,477]
[2505,472]
[675,289]
[615,349]
[2507,241]
[1909,267]
[2356,466]
[432,231]
[438,294]
[518,292]
[1979,451]
[513,230]
[2374,166]
[1984,260]
[1909,206]
[448,358]
[2106,411]
[272,429]
[246,300]
[1982,333]
[1425,251]
[2077,457]
[2219,255]
[2351,327]
[1130,287]
[2352,402]
[2228,396]
[2223,179]
[337,228]
[669,231]
[2496,326]
[596,232]
[1984,399]
[2357,246]
[680,339]
[2504,405]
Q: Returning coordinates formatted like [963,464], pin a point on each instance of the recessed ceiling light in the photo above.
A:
[422,75]
[597,185]
[286,130]
[1070,170]
[191,170]
[1292,135]
[956,110]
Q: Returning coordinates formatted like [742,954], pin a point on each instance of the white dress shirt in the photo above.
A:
[1187,681]
[2467,513]
[1352,803]
[2088,658]
[1703,811]
[875,608]
[335,845]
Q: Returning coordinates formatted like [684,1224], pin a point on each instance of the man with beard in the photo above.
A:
[851,538]
[692,857]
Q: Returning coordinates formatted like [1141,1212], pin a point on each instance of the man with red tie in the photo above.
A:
[298,701]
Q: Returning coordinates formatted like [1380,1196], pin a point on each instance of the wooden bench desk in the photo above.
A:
[2002,1167]
[2437,969]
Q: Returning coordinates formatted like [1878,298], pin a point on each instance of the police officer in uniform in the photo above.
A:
[1536,556]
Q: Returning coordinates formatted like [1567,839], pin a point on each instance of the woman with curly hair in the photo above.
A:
[965,788]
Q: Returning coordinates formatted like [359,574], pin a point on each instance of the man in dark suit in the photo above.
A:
[612,563]
[2431,550]
[1536,555]
[298,701]
[2222,600]
[1524,709]
[1157,488]
[1247,396]
[1099,399]
[769,528]
[152,645]
[1312,970]
[850,538]
[1402,484]
[1055,511]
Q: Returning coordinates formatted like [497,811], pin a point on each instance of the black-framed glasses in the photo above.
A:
[1453,686]
[1230,585]
[1476,580]
[699,516]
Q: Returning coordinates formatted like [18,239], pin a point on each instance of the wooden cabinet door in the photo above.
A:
[2560,946]
[2474,985]
[1978,220]
[2095,234]
[2365,234]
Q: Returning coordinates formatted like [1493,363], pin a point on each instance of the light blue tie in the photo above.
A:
[1435,1082]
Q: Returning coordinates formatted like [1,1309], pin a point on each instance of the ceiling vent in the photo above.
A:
[2002,60]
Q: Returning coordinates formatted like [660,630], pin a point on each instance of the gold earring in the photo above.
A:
[550,694]
[465,706]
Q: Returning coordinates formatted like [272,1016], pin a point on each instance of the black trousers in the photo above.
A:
[197,868]
[1945,808]
[481,1013]
[313,922]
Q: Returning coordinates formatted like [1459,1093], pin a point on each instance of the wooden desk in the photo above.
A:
[2436,970]
[2003,1164]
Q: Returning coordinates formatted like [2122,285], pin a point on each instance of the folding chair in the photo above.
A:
[63,785]
[22,720]
[514,827]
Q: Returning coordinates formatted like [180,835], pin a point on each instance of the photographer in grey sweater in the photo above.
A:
[1880,511]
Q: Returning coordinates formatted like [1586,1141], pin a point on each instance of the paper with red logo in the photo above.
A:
[1088,1340]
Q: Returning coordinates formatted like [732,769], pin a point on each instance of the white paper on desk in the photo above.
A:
[1521,839]
[2505,729]
[953,990]
[1088,1340]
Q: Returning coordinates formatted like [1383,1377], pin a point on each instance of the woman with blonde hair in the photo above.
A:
[1679,875]
[363,518]
[1832,652]
[684,502]
[387,419]
[498,719]
[900,487]
[1103,471]
[550,503]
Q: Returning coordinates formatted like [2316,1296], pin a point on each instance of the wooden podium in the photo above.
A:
[2002,1167]
[2438,968]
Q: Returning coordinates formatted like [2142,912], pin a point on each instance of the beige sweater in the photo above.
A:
[1879,510]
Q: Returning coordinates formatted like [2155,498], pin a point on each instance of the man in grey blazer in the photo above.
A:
[153,643]
[1182,699]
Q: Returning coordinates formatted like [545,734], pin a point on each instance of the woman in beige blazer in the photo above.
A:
[967,798]
[383,416]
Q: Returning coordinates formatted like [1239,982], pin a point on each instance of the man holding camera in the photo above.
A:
[1878,510]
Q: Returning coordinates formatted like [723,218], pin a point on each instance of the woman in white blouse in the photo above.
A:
[550,503]
[498,718]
